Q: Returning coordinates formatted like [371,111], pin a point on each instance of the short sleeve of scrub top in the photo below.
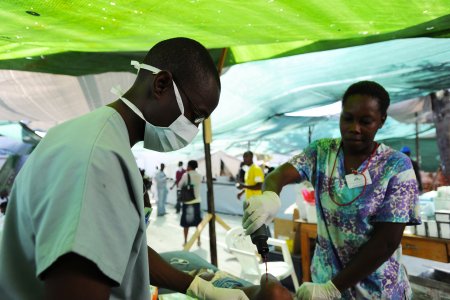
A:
[400,204]
[100,219]
[305,162]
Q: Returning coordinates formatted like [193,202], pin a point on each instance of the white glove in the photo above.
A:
[318,291]
[202,289]
[259,210]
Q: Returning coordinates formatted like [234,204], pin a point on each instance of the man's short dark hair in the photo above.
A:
[189,61]
[193,164]
[248,153]
[369,88]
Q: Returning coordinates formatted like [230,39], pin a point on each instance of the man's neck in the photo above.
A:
[135,125]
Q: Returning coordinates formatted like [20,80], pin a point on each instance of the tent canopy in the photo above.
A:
[262,90]
[404,45]
[101,36]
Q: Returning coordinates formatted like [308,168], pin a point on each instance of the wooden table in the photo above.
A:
[413,245]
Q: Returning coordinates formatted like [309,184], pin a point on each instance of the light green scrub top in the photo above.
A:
[80,191]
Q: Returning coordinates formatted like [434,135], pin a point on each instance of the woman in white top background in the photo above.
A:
[191,213]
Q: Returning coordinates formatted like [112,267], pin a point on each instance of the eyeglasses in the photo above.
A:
[198,116]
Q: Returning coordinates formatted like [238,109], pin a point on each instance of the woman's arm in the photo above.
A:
[281,176]
[384,241]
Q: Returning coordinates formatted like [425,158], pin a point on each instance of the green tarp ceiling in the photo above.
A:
[260,90]
[255,95]
[404,45]
[114,30]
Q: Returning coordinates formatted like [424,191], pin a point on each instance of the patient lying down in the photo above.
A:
[268,289]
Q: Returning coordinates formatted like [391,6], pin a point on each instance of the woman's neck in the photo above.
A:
[354,159]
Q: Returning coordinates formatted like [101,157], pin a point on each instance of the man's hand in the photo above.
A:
[318,291]
[259,210]
[203,289]
[239,195]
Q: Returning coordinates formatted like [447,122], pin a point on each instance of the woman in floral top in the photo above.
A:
[366,193]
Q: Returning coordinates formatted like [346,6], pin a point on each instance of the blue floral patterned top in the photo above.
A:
[391,197]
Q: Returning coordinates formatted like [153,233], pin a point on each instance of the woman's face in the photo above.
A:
[360,120]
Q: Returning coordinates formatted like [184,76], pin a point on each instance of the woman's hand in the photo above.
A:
[259,210]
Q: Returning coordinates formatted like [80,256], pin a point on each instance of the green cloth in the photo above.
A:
[78,193]
[252,30]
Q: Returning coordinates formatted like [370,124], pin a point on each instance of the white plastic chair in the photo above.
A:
[232,235]
[241,246]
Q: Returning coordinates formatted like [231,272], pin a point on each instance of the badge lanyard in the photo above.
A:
[355,172]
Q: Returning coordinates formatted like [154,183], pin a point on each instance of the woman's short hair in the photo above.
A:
[369,88]
[193,164]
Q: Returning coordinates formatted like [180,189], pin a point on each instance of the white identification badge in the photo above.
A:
[354,181]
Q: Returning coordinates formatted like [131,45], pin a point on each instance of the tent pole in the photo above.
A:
[207,139]
[417,141]
[210,192]
[309,134]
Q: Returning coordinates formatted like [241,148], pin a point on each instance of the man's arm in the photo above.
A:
[256,186]
[74,277]
[164,275]
[385,240]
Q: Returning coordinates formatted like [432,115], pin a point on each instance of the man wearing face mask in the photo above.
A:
[75,227]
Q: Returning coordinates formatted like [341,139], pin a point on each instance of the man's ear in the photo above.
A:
[383,119]
[162,83]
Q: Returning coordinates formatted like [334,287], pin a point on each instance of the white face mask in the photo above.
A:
[165,139]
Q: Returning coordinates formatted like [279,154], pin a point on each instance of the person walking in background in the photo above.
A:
[191,213]
[147,186]
[179,173]
[407,151]
[253,179]
[161,188]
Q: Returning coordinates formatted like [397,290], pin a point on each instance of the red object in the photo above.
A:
[178,175]
[309,196]
[155,295]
